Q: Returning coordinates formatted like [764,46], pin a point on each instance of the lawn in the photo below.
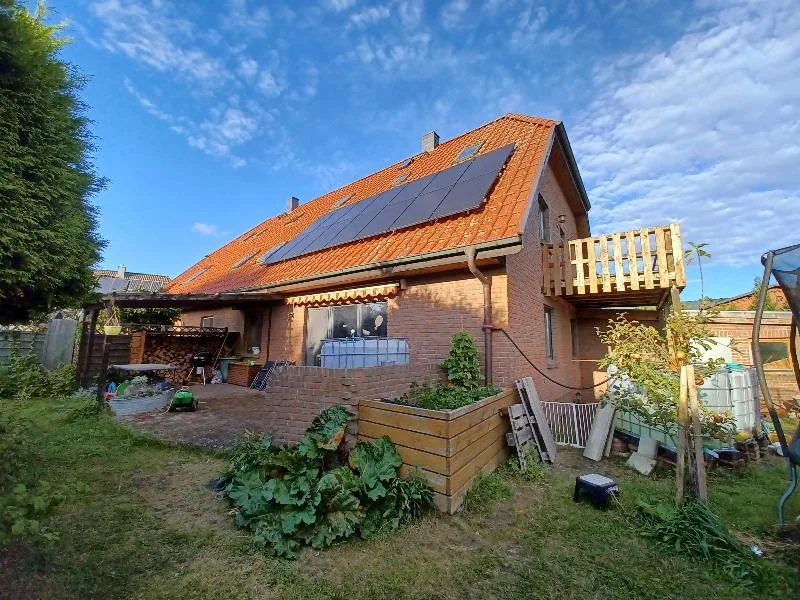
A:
[150,528]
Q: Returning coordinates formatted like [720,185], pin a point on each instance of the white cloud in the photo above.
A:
[410,12]
[152,35]
[370,16]
[205,229]
[338,5]
[248,67]
[269,85]
[240,17]
[706,133]
[453,12]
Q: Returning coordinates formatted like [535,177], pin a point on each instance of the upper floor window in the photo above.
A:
[549,349]
[544,220]
[206,321]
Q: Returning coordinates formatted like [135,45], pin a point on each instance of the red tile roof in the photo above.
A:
[498,218]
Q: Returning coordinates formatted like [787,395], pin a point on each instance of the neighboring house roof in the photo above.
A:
[236,266]
[120,280]
[747,300]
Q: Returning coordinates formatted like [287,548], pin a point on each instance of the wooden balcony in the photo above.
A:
[629,268]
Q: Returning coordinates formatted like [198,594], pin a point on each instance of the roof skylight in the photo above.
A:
[244,259]
[292,218]
[405,163]
[340,202]
[197,274]
[468,152]
[400,179]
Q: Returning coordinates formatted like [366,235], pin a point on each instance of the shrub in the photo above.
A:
[693,528]
[462,364]
[309,496]
[25,378]
[24,500]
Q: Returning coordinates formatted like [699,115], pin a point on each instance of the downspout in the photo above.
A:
[488,326]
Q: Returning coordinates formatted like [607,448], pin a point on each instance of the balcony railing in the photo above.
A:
[636,266]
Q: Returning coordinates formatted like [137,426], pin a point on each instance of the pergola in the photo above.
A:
[161,300]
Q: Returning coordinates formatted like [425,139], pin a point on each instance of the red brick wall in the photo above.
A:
[298,394]
[431,310]
[526,305]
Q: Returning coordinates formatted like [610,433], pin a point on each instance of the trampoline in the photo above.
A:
[784,266]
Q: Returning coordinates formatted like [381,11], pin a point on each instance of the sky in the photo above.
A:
[209,115]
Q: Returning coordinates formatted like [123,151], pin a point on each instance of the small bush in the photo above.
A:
[693,528]
[82,406]
[25,378]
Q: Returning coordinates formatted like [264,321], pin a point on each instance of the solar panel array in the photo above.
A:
[458,189]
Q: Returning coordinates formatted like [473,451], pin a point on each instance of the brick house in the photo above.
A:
[518,258]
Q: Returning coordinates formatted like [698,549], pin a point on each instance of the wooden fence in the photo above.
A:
[52,347]
[628,261]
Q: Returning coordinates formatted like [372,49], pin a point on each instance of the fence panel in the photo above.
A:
[570,422]
[25,342]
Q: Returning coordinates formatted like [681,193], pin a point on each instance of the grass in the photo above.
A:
[151,529]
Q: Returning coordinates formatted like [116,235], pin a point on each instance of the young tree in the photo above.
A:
[666,367]
[48,226]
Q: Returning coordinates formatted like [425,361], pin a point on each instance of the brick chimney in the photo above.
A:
[430,141]
[121,271]
[292,203]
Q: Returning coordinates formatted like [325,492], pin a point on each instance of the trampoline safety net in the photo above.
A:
[786,270]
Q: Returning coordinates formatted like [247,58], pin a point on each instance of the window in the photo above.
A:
[405,163]
[244,259]
[197,274]
[544,220]
[468,152]
[775,354]
[549,350]
[573,332]
[400,179]
[206,321]
[340,202]
[349,320]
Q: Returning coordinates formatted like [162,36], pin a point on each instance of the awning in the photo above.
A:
[364,294]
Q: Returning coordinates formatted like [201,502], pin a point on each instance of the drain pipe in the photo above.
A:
[488,327]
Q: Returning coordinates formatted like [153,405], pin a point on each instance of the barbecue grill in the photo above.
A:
[200,360]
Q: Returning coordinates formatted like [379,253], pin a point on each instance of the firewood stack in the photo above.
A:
[177,351]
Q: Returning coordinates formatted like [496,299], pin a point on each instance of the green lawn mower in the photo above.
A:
[183,398]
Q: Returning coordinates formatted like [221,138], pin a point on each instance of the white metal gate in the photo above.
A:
[570,422]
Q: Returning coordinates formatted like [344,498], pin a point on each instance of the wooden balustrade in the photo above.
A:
[628,264]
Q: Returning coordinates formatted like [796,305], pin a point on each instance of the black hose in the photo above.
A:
[545,375]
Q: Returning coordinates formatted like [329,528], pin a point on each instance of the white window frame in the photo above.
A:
[207,321]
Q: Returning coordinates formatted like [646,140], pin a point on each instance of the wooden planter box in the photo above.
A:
[449,447]
[242,373]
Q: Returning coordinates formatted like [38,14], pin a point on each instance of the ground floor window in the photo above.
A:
[775,354]
[347,321]
[573,332]
[549,350]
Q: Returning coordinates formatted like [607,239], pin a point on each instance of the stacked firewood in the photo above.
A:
[177,352]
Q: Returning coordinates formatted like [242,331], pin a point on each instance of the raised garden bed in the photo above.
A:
[449,447]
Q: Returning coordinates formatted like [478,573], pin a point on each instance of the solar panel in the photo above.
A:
[456,189]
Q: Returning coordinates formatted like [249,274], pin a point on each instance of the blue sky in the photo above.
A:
[209,115]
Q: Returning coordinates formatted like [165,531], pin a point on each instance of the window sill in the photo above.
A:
[551,363]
